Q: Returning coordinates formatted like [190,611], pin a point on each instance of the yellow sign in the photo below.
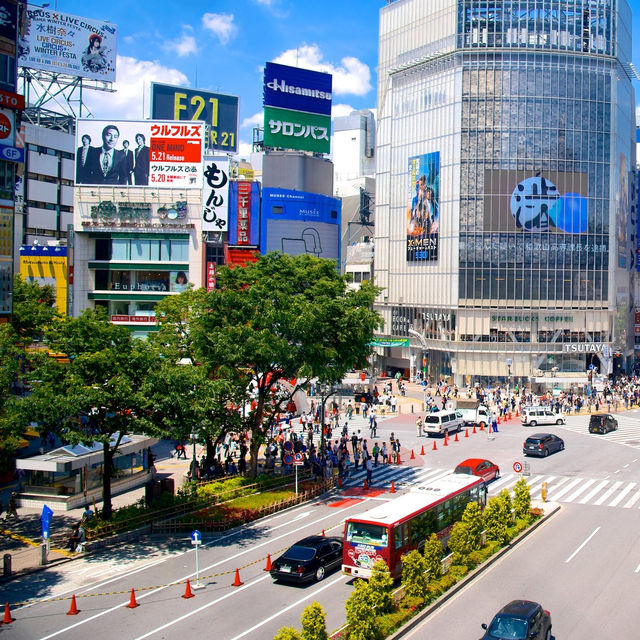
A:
[46,266]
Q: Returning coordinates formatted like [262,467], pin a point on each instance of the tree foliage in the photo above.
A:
[287,633]
[461,542]
[361,615]
[495,524]
[34,308]
[381,585]
[522,500]
[433,553]
[472,517]
[314,622]
[507,507]
[414,578]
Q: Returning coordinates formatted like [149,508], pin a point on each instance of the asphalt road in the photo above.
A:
[596,479]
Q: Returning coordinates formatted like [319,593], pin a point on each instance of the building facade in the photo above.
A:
[504,200]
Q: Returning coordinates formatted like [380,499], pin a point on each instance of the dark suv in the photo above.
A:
[519,620]
[542,444]
[602,423]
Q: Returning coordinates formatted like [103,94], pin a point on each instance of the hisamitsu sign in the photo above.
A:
[298,89]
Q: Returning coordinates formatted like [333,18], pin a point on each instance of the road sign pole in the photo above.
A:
[296,466]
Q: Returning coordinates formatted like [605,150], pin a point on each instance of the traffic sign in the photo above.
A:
[298,459]
[196,537]
[517,467]
[288,459]
[592,367]
[288,445]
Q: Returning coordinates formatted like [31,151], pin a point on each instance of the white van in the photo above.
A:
[442,422]
[532,416]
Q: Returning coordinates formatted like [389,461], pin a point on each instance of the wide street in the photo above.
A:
[580,565]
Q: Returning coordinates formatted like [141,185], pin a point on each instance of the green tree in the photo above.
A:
[34,308]
[461,542]
[495,524]
[472,517]
[97,396]
[287,633]
[506,505]
[283,318]
[522,500]
[361,613]
[381,585]
[414,578]
[314,623]
[433,553]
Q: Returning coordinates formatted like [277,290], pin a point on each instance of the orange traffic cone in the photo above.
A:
[399,460]
[498,419]
[393,487]
[482,426]
[7,615]
[446,441]
[236,581]
[456,438]
[474,429]
[323,534]
[422,451]
[268,566]
[509,415]
[365,486]
[187,592]
[435,447]
[132,600]
[518,412]
[340,482]
[413,455]
[466,433]
[73,609]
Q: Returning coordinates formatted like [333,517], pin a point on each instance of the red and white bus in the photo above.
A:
[392,529]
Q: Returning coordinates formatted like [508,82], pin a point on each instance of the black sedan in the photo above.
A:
[309,559]
[542,444]
[519,620]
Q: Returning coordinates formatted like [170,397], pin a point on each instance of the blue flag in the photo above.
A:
[45,521]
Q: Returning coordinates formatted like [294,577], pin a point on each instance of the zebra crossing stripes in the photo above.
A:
[632,501]
[583,487]
[622,494]
[608,493]
[593,492]
[566,489]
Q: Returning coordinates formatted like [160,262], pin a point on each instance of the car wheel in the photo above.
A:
[548,634]
[545,453]
[319,574]
[533,423]
[559,421]
[497,475]
[562,446]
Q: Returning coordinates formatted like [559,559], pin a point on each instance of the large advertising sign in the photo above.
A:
[536,202]
[154,153]
[68,44]
[297,89]
[423,211]
[218,111]
[244,213]
[295,222]
[46,266]
[622,213]
[215,195]
[297,130]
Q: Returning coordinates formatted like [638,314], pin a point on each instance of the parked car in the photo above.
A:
[532,416]
[519,620]
[308,559]
[442,423]
[484,469]
[602,423]
[542,444]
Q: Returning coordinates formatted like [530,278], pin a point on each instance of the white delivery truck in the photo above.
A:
[473,412]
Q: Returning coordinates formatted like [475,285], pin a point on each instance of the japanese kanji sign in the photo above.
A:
[297,130]
[244,213]
[215,195]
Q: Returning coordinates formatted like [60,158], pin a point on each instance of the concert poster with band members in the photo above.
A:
[423,215]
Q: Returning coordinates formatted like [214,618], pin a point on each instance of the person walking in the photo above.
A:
[369,467]
[419,426]
[494,422]
[384,453]
[12,507]
[376,454]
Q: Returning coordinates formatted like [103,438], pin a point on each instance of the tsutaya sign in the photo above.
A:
[587,347]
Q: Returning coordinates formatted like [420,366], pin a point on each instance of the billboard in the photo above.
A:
[46,266]
[68,44]
[297,89]
[244,213]
[218,111]
[154,153]
[530,201]
[297,222]
[297,130]
[215,194]
[423,210]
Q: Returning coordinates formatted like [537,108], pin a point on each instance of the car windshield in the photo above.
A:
[363,533]
[462,469]
[298,553]
[508,627]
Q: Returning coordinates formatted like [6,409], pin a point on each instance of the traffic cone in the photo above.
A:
[73,609]
[435,447]
[132,600]
[393,487]
[187,592]
[456,438]
[236,581]
[446,442]
[340,482]
[365,486]
[498,419]
[399,460]
[7,615]
[323,534]
[509,415]
[466,433]
[422,451]
[482,426]
[518,412]
[413,455]
[268,567]
[474,429]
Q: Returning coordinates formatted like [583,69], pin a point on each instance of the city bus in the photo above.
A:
[392,529]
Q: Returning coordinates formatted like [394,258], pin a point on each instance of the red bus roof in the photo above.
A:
[420,498]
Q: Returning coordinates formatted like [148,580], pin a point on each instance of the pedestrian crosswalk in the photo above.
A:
[628,432]
[564,489]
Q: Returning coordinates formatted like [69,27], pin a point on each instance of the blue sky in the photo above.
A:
[226,43]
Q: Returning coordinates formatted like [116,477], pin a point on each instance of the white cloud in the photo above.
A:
[183,46]
[339,110]
[134,81]
[221,25]
[245,150]
[351,77]
[254,120]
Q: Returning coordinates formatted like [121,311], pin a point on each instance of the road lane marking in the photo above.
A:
[291,606]
[632,501]
[202,608]
[593,492]
[582,545]
[621,495]
[637,569]
[608,493]
[565,489]
[583,487]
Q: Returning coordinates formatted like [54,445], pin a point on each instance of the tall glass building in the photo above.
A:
[505,196]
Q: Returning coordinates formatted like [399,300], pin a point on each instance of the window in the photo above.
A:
[364,533]
[400,536]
